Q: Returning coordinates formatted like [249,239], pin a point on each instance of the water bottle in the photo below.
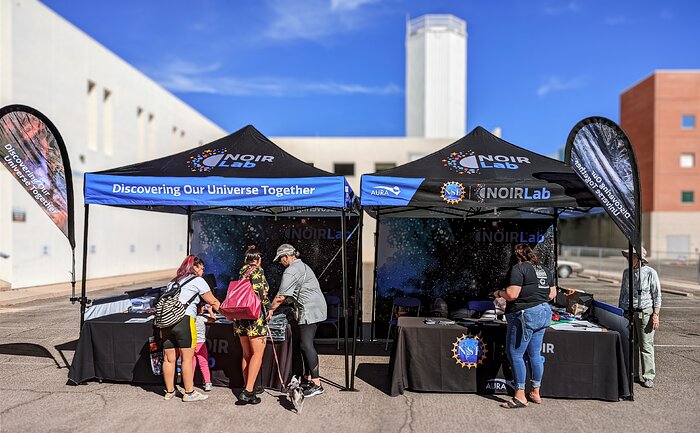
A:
[178,369]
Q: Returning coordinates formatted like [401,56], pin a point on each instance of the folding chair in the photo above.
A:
[405,302]
[333,316]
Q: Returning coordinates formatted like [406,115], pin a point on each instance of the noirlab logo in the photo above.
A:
[209,159]
[468,162]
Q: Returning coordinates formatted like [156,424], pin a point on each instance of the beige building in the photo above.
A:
[109,114]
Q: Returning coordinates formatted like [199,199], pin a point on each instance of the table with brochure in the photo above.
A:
[582,360]
[116,348]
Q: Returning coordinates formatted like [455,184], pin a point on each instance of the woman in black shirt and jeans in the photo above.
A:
[528,314]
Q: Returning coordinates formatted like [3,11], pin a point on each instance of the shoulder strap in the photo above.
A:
[185,281]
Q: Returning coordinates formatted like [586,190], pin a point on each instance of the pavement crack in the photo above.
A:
[408,422]
[43,394]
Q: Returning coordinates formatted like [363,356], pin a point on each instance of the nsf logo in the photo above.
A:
[207,160]
[452,192]
[469,351]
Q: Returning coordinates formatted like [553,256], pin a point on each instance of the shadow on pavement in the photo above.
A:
[27,349]
[376,375]
[70,346]
[374,348]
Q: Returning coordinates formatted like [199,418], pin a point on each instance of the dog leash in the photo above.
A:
[277,361]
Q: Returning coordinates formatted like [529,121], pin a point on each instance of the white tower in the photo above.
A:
[436,77]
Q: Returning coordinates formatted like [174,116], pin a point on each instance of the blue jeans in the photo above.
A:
[524,337]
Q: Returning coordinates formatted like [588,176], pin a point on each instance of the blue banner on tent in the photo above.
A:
[213,191]
[388,191]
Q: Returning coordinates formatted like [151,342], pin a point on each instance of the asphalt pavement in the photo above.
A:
[37,340]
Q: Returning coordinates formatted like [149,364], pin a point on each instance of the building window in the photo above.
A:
[344,169]
[92,121]
[687,160]
[688,121]
[107,121]
[379,166]
[140,134]
[687,197]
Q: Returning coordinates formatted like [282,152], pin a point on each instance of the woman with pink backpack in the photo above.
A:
[253,333]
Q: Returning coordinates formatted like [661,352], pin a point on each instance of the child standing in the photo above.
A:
[201,355]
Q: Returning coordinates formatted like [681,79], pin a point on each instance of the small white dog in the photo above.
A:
[295,393]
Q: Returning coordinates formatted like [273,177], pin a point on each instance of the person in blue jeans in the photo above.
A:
[528,314]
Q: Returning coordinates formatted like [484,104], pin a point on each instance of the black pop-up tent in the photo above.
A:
[241,174]
[473,176]
[479,177]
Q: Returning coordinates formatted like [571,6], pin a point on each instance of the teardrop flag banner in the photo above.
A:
[33,151]
[601,154]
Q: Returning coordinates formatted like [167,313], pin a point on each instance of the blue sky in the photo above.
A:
[336,67]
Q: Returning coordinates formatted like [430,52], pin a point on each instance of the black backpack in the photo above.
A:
[169,309]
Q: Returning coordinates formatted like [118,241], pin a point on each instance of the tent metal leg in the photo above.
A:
[344,264]
[555,223]
[357,302]
[189,229]
[373,337]
[83,298]
[630,313]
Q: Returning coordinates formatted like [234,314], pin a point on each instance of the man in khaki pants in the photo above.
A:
[646,321]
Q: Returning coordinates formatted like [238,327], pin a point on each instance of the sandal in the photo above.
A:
[533,398]
[513,403]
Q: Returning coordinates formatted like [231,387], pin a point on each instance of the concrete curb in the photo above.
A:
[667,286]
[29,294]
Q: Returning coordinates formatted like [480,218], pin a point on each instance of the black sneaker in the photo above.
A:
[249,397]
[258,390]
[314,390]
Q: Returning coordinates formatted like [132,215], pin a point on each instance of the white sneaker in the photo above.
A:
[208,387]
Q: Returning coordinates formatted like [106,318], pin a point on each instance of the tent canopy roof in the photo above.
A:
[243,172]
[477,173]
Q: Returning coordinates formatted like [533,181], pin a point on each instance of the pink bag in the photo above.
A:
[241,300]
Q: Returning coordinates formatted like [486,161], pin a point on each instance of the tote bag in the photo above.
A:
[241,301]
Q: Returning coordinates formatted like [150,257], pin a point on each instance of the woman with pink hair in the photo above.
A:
[180,339]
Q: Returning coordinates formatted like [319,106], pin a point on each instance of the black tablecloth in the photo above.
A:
[578,364]
[110,349]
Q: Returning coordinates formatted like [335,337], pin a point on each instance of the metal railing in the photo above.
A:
[673,265]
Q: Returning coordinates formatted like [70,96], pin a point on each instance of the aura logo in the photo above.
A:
[469,351]
[209,159]
[499,384]
[452,192]
[468,162]
[385,190]
[483,193]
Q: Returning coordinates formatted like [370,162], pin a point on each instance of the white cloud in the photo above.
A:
[561,7]
[555,84]
[185,77]
[315,20]
[615,21]
[349,4]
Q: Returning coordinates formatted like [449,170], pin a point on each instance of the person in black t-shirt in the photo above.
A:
[529,290]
